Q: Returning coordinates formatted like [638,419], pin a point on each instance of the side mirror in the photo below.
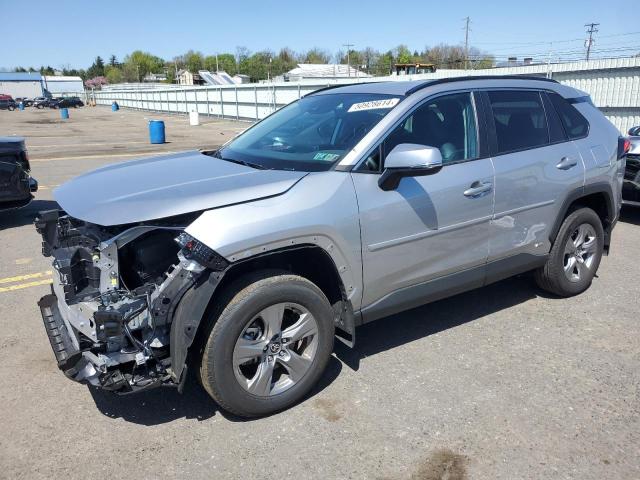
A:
[634,131]
[409,160]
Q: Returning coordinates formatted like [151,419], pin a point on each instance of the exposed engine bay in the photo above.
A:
[114,294]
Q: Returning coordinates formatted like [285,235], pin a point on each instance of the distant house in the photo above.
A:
[185,77]
[16,84]
[311,71]
[155,78]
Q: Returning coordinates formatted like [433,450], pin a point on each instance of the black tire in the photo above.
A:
[10,108]
[250,297]
[551,277]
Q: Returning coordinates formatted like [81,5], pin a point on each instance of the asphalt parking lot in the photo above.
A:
[501,383]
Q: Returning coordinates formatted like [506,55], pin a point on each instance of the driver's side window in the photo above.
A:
[447,122]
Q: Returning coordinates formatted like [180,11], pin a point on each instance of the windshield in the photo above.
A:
[311,134]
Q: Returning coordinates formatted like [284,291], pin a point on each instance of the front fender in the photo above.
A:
[321,209]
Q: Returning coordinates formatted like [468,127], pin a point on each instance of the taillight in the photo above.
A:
[624,145]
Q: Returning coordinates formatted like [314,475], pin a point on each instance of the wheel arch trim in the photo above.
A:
[582,192]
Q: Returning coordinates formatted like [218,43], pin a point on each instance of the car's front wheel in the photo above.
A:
[269,346]
[575,255]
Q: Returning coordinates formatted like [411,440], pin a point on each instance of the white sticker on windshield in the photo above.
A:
[374,105]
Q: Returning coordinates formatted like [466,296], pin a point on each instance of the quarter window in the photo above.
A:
[519,120]
[575,125]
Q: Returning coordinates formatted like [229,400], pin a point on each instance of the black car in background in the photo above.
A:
[8,104]
[66,102]
[16,184]
[42,102]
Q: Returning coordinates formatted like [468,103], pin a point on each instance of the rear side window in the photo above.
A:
[575,125]
[519,120]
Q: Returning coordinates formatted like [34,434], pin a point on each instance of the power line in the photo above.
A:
[591,30]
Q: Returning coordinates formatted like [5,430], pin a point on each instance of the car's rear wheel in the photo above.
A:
[575,255]
[11,108]
[269,346]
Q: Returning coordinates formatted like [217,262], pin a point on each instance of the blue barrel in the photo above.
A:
[115,107]
[64,113]
[21,106]
[156,131]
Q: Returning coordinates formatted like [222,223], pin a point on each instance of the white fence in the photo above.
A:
[614,85]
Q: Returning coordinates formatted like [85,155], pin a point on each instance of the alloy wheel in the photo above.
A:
[275,349]
[580,252]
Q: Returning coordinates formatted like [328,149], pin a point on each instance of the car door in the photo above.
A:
[429,237]
[535,168]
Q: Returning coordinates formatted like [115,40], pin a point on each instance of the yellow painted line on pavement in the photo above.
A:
[20,286]
[28,276]
[23,261]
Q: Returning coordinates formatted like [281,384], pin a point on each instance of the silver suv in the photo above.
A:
[356,202]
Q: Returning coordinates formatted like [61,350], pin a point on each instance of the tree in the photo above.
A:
[47,70]
[95,82]
[193,61]
[402,54]
[257,65]
[479,59]
[227,62]
[97,68]
[283,62]
[139,63]
[316,55]
[242,54]
[113,61]
[113,74]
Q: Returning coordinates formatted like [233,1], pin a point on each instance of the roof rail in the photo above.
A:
[429,83]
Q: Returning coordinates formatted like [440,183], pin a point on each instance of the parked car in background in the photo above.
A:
[351,204]
[631,185]
[27,102]
[8,104]
[42,102]
[5,97]
[16,183]
[66,102]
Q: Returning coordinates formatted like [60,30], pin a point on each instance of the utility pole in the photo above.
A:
[467,21]
[348,45]
[590,41]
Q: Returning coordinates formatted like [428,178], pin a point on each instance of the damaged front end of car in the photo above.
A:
[114,296]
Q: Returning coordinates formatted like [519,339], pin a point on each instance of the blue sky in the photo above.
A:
[169,28]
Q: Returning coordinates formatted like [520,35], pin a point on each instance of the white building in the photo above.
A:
[16,84]
[58,85]
[185,77]
[314,71]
